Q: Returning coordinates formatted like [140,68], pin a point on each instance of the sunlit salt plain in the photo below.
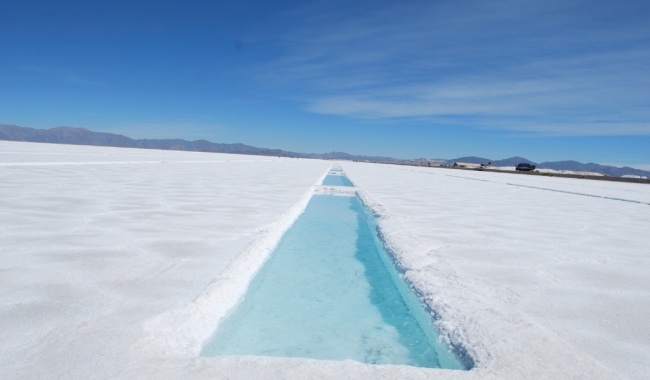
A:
[120,263]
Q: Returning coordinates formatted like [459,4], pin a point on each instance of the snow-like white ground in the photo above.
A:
[117,263]
[548,277]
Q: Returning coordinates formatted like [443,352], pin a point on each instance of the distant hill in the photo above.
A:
[82,136]
[557,165]
[512,161]
[470,160]
[346,156]
[591,167]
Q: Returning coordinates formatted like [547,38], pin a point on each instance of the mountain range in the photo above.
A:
[82,136]
[613,171]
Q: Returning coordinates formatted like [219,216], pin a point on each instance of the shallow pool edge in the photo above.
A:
[449,356]
[414,299]
[185,331]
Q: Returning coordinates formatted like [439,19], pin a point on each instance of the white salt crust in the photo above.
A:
[120,263]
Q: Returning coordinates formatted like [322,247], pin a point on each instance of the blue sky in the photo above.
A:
[547,80]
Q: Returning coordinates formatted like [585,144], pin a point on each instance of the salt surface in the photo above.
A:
[122,264]
[558,266]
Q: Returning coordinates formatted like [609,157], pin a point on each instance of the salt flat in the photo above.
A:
[552,274]
[119,262]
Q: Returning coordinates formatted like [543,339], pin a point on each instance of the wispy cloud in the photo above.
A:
[548,68]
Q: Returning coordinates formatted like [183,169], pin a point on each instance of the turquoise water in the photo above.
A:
[329,291]
[336,180]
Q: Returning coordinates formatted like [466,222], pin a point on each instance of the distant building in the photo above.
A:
[468,165]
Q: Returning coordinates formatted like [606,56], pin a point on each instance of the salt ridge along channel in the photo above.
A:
[330,291]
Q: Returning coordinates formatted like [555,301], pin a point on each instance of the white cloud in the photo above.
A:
[551,68]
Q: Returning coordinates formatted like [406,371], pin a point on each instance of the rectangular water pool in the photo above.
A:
[336,180]
[329,291]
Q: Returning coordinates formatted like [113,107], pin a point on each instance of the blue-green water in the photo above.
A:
[329,291]
[336,180]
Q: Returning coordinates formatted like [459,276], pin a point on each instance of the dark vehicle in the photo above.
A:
[525,167]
